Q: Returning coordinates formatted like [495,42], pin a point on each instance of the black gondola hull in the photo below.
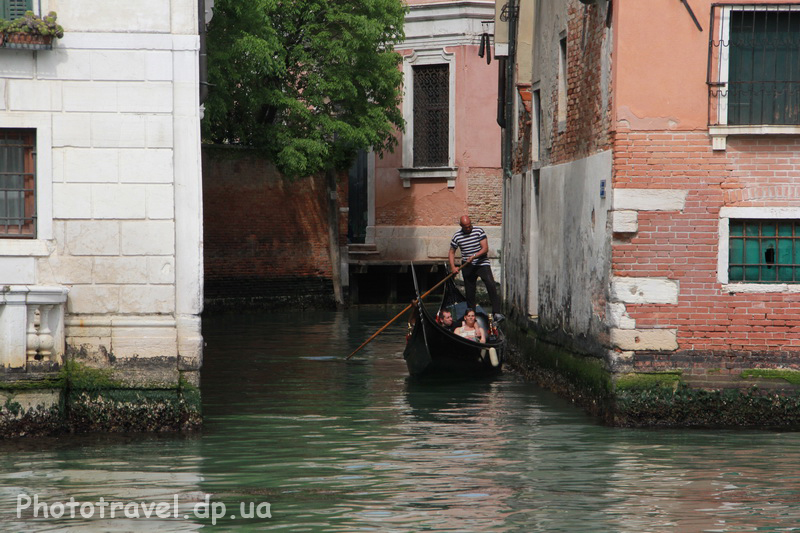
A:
[434,350]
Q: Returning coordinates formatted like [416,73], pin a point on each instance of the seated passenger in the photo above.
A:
[445,320]
[470,329]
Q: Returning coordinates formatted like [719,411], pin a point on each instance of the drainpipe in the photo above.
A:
[508,132]
[510,77]
[201,31]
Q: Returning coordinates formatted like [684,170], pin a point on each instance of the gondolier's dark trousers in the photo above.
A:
[471,274]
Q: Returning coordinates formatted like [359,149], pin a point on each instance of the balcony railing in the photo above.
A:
[31,325]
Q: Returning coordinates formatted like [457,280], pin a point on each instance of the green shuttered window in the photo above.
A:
[764,251]
[764,77]
[13,9]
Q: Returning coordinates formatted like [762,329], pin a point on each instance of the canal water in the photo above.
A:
[298,440]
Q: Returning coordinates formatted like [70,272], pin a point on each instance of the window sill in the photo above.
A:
[435,173]
[719,134]
[23,248]
[761,288]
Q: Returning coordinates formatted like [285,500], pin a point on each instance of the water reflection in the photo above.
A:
[356,445]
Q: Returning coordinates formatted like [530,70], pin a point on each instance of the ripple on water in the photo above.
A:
[341,446]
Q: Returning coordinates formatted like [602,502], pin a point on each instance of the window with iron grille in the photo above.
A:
[431,115]
[754,65]
[764,251]
[17,183]
[14,9]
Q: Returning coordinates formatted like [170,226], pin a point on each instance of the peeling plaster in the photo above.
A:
[629,119]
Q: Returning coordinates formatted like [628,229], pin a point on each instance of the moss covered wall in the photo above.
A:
[79,398]
[671,397]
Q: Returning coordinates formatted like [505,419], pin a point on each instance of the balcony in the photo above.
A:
[31,326]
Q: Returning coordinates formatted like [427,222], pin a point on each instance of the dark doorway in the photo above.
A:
[357,201]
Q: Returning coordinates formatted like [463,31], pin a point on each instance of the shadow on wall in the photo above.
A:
[264,236]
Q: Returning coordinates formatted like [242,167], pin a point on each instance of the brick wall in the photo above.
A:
[588,105]
[683,245]
[485,195]
[266,238]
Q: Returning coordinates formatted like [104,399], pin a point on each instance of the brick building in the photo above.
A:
[262,255]
[651,211]
[392,210]
[405,206]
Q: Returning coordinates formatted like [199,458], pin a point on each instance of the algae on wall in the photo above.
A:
[754,398]
[80,398]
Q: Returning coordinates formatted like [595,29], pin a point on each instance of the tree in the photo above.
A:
[308,81]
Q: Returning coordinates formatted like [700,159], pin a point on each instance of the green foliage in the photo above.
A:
[652,380]
[310,83]
[792,376]
[12,407]
[34,24]
[56,382]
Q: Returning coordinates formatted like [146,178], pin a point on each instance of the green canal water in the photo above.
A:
[355,446]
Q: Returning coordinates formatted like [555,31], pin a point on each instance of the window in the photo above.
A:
[17,183]
[429,150]
[754,67]
[13,9]
[764,251]
[431,115]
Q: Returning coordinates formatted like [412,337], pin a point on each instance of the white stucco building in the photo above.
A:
[100,191]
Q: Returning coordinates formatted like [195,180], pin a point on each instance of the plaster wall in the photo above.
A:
[446,32]
[116,112]
[663,83]
[574,246]
[428,243]
[520,241]
[477,152]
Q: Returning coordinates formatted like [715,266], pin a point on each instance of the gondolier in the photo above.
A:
[474,246]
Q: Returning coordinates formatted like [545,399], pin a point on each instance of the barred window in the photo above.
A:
[431,115]
[754,65]
[17,183]
[764,251]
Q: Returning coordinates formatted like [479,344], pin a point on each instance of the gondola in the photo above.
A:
[432,349]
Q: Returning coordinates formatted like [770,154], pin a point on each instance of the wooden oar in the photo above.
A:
[400,314]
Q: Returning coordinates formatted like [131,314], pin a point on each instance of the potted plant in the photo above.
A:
[32,29]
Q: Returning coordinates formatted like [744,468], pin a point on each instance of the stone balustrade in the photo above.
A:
[31,325]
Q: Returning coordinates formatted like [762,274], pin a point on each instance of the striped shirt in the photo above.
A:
[470,244]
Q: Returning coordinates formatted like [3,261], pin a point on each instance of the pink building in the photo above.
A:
[405,206]
[661,204]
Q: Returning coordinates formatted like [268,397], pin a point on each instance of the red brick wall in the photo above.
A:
[683,246]
[265,236]
[485,195]
[588,114]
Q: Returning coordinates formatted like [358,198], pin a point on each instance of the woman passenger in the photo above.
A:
[471,329]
